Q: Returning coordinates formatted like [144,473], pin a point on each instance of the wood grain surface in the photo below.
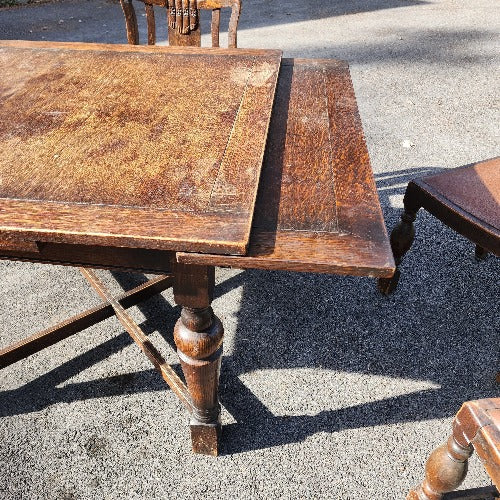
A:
[317,209]
[145,148]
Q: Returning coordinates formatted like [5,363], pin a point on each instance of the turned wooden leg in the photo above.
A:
[444,471]
[402,237]
[198,336]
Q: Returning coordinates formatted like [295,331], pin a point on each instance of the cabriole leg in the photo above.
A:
[198,336]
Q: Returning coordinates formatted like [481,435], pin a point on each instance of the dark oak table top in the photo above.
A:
[133,146]
[317,207]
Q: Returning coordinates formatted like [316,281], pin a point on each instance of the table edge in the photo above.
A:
[123,47]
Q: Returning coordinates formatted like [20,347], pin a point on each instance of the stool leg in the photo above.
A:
[480,253]
[402,237]
[445,470]
[198,336]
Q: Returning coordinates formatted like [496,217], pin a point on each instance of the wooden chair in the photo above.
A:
[467,199]
[183,20]
[475,427]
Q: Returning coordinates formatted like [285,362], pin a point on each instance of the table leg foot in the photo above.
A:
[205,438]
[480,253]
[387,285]
[200,353]
[402,237]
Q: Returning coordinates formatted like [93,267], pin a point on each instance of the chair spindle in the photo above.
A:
[150,18]
[183,19]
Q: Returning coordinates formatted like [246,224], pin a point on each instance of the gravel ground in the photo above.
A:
[329,389]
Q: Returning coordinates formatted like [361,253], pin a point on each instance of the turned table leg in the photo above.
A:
[198,336]
[475,427]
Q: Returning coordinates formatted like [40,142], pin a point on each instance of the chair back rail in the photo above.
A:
[183,20]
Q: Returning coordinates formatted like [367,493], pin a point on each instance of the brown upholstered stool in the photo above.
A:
[475,427]
[467,199]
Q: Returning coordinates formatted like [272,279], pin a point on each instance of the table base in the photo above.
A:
[198,336]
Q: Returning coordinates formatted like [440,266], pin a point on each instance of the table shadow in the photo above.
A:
[415,334]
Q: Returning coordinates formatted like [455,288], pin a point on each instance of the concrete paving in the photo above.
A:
[330,390]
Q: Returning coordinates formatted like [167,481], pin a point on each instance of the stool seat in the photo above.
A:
[466,199]
[475,189]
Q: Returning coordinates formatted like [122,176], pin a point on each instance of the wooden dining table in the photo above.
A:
[174,160]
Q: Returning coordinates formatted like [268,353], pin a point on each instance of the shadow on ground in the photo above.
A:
[332,323]
[259,13]
[102,21]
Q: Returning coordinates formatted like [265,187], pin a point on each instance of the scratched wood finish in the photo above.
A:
[153,149]
[317,209]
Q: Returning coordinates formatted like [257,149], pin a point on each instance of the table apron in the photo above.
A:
[112,258]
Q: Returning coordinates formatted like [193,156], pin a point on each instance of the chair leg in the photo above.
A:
[480,253]
[198,336]
[402,237]
[444,471]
